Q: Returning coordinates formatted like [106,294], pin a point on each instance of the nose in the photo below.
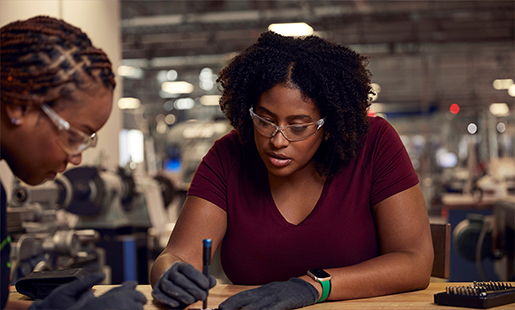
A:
[75,159]
[279,140]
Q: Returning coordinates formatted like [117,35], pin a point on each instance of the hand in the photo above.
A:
[291,294]
[77,295]
[181,285]
[67,295]
[121,297]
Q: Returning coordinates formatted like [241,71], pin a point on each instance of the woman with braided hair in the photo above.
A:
[308,197]
[56,93]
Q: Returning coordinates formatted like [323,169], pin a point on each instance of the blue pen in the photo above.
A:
[205,270]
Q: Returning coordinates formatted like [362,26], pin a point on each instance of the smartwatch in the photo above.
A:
[324,278]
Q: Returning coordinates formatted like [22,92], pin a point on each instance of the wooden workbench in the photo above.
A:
[419,300]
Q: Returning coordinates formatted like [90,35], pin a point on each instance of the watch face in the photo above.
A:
[319,274]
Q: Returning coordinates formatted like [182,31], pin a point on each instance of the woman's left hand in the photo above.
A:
[291,294]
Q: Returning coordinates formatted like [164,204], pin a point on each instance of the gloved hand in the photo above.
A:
[122,297]
[181,285]
[77,295]
[291,294]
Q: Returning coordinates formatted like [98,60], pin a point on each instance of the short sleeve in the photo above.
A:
[391,169]
[211,177]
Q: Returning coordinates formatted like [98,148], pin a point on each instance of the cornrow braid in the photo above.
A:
[42,59]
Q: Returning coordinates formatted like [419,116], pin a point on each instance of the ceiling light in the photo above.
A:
[501,127]
[502,83]
[499,109]
[128,103]
[184,103]
[292,29]
[177,87]
[472,128]
[130,72]
[210,100]
[172,75]
[511,90]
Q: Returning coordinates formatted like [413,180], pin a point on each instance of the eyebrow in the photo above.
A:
[84,128]
[289,118]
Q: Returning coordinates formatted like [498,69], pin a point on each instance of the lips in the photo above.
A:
[278,160]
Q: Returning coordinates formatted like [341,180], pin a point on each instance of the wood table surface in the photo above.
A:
[419,300]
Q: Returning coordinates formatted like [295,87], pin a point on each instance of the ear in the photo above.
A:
[16,113]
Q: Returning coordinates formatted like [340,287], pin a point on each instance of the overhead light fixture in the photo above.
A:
[499,109]
[180,87]
[472,128]
[128,103]
[502,83]
[184,104]
[172,75]
[130,72]
[501,127]
[292,29]
[511,90]
[210,100]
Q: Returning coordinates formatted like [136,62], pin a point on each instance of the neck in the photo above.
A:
[305,177]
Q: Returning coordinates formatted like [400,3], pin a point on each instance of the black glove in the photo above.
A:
[77,295]
[122,297]
[181,285]
[291,294]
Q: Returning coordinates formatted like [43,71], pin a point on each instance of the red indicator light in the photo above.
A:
[454,108]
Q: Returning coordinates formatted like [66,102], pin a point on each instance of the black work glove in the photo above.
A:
[122,297]
[291,294]
[77,295]
[181,285]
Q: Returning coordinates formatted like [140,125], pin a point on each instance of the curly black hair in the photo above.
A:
[332,75]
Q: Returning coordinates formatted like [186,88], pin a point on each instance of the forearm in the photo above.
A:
[386,274]
[162,262]
[17,305]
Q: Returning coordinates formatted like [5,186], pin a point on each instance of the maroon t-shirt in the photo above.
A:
[260,246]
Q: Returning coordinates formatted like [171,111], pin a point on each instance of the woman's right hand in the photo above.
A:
[181,285]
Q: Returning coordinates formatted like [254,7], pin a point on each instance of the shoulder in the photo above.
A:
[379,125]
[226,150]
[230,140]
[380,131]
[228,146]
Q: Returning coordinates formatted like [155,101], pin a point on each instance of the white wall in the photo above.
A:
[100,20]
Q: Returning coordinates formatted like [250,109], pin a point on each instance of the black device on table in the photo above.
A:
[478,295]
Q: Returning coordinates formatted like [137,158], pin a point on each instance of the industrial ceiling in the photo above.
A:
[424,54]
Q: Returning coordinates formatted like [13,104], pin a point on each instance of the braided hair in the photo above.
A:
[331,75]
[44,59]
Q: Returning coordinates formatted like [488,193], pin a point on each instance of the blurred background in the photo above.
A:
[444,76]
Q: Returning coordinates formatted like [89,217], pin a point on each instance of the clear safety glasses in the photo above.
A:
[72,140]
[292,133]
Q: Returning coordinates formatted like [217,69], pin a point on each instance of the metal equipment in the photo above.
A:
[480,237]
[88,217]
[42,236]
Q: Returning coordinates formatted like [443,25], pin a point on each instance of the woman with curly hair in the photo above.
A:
[308,197]
[56,93]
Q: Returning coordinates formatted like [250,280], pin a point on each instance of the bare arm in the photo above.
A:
[199,219]
[406,256]
[18,304]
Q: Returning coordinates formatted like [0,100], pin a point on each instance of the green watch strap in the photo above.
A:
[326,288]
